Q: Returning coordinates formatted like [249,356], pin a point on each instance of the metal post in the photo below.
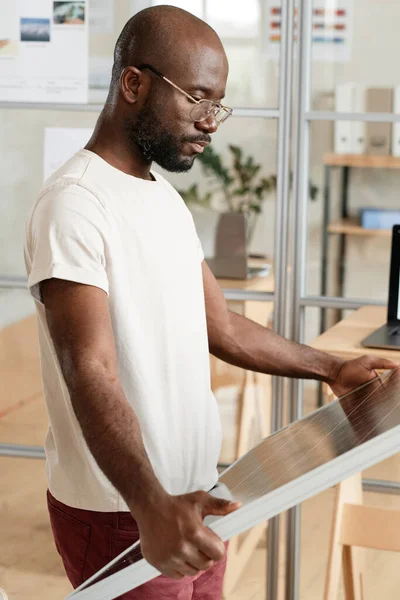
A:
[280,258]
[325,237]
[300,201]
[13,282]
[16,450]
[324,261]
[344,213]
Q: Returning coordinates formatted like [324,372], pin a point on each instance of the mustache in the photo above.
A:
[195,140]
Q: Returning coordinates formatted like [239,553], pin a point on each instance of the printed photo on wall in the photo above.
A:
[69,13]
[35,30]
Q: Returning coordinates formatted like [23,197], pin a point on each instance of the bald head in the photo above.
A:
[169,77]
[170,39]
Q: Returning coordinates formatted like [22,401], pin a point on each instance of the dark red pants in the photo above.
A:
[87,540]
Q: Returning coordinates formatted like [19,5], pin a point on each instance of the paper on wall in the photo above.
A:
[332,26]
[102,16]
[60,144]
[44,51]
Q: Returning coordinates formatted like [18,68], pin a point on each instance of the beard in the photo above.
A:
[155,142]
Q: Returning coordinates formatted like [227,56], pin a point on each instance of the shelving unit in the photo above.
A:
[346,225]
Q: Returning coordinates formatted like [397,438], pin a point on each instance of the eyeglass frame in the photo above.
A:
[218,105]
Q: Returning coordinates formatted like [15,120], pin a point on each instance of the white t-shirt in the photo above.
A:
[136,240]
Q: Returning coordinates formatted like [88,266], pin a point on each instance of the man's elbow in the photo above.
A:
[220,336]
[80,370]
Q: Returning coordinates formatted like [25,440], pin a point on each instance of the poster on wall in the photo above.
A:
[44,51]
[331,30]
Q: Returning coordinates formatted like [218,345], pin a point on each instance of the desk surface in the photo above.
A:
[344,338]
[365,161]
[255,284]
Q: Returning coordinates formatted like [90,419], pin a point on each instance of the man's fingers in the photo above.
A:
[219,506]
[190,569]
[382,364]
[173,574]
[210,544]
[198,560]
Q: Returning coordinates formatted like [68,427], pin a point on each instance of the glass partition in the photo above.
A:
[352,51]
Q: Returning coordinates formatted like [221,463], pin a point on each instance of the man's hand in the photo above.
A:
[173,537]
[354,373]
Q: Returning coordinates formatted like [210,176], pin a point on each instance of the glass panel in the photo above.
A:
[15,305]
[23,418]
[345,55]
[26,532]
[22,173]
[253,55]
[193,6]
[232,21]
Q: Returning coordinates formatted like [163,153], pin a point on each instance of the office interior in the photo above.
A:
[303,95]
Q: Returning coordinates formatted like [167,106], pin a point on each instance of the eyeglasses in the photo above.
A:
[203,109]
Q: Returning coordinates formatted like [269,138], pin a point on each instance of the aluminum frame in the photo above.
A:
[13,282]
[281,257]
[301,171]
[263,113]
[321,115]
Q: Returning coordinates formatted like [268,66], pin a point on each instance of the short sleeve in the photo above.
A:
[66,237]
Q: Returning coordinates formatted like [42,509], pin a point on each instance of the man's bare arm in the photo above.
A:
[246,344]
[80,326]
[173,536]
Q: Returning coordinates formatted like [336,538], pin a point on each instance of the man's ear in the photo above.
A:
[132,82]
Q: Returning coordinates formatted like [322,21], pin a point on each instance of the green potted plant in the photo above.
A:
[240,187]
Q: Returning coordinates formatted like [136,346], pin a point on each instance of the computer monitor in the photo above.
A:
[394,278]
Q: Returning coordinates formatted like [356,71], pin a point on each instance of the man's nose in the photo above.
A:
[209,125]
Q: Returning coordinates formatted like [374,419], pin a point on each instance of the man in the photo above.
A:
[128,312]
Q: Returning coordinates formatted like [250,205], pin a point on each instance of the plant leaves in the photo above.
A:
[212,165]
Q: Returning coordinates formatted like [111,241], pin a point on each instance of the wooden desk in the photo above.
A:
[344,338]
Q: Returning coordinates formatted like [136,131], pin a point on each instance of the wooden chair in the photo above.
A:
[357,526]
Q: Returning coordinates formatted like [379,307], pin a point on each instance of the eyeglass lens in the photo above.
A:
[204,110]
